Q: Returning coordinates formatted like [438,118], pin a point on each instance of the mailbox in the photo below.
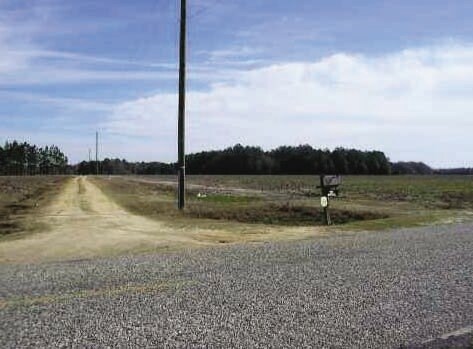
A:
[329,189]
[329,185]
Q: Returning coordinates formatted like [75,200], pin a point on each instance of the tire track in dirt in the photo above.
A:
[84,223]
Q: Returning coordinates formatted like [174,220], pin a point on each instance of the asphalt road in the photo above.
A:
[370,290]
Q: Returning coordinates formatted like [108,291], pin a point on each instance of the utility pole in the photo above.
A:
[89,164]
[97,153]
[182,109]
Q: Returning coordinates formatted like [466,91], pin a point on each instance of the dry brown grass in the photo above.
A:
[100,216]
[21,197]
[367,202]
[158,201]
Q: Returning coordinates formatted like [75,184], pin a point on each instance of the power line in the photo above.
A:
[204,9]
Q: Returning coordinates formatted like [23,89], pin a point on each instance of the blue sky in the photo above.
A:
[389,75]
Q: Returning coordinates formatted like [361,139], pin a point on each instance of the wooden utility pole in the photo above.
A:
[182,110]
[97,153]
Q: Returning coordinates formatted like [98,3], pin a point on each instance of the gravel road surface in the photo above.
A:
[370,290]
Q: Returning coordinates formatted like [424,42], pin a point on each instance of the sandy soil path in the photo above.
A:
[84,223]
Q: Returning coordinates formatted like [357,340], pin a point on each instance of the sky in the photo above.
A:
[395,76]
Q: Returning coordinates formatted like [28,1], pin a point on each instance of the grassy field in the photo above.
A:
[63,218]
[404,188]
[21,197]
[366,202]
[430,191]
[244,206]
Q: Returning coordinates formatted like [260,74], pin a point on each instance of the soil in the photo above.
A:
[82,221]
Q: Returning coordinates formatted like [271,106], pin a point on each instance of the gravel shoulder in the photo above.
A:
[373,290]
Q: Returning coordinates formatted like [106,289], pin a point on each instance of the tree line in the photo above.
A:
[411,167]
[25,159]
[123,167]
[455,171]
[20,159]
[303,159]
[253,160]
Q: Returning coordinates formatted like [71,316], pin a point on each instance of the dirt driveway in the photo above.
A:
[83,222]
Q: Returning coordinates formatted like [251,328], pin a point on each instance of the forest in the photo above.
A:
[284,160]
[253,160]
[123,167]
[18,159]
[303,159]
[24,159]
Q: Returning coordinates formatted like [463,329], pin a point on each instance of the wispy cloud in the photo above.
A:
[26,61]
[28,64]
[23,64]
[82,58]
[60,102]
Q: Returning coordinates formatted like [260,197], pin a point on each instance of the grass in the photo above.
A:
[22,196]
[367,202]
[287,208]
[229,199]
[286,214]
[446,192]
[158,201]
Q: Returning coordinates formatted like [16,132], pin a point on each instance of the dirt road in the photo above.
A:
[83,222]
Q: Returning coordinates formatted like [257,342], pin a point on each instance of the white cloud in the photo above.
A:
[412,104]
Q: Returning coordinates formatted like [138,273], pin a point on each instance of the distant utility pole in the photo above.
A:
[182,109]
[97,152]
[90,155]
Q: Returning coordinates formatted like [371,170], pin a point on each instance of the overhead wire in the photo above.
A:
[204,9]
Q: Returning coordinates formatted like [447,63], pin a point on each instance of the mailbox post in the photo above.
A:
[328,188]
